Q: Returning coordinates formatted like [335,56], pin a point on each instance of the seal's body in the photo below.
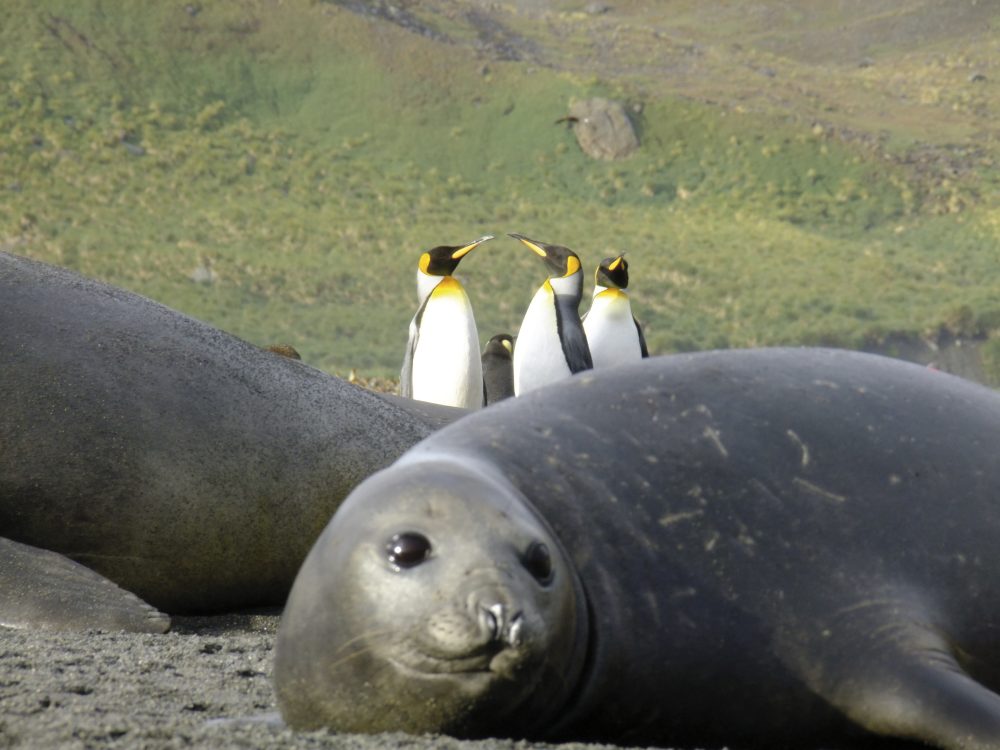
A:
[751,548]
[185,465]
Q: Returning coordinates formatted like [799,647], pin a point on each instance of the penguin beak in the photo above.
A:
[531,244]
[466,249]
[617,262]
[561,260]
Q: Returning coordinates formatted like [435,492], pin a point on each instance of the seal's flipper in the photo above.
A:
[897,676]
[932,701]
[43,589]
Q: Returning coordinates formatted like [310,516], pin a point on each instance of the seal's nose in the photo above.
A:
[491,619]
[499,623]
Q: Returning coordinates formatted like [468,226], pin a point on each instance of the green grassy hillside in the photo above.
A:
[310,153]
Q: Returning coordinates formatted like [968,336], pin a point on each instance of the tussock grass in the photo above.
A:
[310,155]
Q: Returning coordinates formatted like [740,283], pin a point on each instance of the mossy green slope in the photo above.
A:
[310,154]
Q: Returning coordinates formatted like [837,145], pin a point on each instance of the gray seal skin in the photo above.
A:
[40,587]
[183,464]
[748,548]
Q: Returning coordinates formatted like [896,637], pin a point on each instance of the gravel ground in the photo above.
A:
[204,684]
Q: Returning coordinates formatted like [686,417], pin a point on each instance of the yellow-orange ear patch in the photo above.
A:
[572,265]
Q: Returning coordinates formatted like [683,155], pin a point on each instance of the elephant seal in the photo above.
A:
[746,548]
[183,464]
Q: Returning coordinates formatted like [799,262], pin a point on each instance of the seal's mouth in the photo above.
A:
[490,659]
[429,666]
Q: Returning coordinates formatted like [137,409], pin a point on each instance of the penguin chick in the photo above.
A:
[551,343]
[442,363]
[613,333]
[498,368]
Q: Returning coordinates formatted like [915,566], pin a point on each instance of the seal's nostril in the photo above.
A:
[494,620]
[513,632]
[501,626]
[490,622]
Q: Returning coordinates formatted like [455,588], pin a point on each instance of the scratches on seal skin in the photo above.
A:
[711,541]
[699,409]
[802,446]
[714,436]
[817,490]
[671,518]
[633,440]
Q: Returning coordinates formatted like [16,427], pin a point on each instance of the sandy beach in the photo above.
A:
[207,683]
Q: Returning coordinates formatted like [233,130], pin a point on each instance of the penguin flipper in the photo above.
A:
[577,351]
[642,339]
[571,334]
[406,374]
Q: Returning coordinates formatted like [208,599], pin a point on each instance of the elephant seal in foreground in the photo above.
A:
[185,465]
[749,548]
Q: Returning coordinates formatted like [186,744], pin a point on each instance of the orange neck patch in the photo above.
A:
[448,286]
[612,294]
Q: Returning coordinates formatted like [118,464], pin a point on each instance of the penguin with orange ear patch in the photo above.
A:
[613,333]
[551,343]
[442,363]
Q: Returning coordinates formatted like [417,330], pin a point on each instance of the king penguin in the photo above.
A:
[613,333]
[442,363]
[498,368]
[551,343]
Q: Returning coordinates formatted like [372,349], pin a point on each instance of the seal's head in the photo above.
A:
[436,600]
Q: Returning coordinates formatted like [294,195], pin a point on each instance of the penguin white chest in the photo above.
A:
[446,364]
[538,353]
[611,330]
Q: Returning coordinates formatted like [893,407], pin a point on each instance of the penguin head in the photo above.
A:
[612,273]
[561,261]
[501,345]
[444,259]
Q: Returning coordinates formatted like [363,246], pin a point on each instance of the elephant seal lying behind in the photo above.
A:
[749,548]
[185,465]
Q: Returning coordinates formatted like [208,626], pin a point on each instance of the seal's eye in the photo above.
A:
[407,550]
[538,562]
